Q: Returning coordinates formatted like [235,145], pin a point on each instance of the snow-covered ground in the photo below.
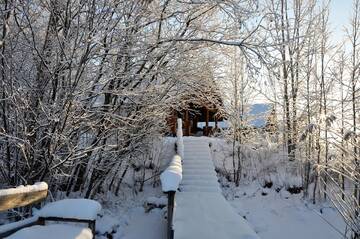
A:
[276,215]
[281,215]
[124,217]
[272,214]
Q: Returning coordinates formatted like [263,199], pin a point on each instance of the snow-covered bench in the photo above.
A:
[67,210]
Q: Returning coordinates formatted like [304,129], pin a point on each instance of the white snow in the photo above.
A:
[158,201]
[54,231]
[208,215]
[279,215]
[200,200]
[179,138]
[172,175]
[124,216]
[145,226]
[71,208]
[283,215]
[274,216]
[40,186]
[10,226]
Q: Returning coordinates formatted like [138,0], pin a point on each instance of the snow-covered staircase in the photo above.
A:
[201,210]
[198,169]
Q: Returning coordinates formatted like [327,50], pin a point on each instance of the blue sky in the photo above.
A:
[340,13]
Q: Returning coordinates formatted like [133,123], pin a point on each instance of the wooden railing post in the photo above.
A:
[171,178]
[170,212]
[170,181]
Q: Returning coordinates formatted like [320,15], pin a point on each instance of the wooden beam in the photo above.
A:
[194,126]
[187,123]
[21,199]
[207,122]
[173,123]
[216,122]
[91,223]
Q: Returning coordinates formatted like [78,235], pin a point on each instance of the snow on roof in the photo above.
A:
[40,186]
[53,231]
[172,175]
[71,208]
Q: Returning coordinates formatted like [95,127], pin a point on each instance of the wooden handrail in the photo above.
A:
[171,178]
[22,196]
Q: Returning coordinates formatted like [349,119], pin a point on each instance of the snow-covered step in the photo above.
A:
[185,176]
[189,155]
[190,172]
[194,170]
[196,150]
[193,156]
[196,158]
[200,199]
[197,183]
[199,189]
[190,178]
[200,177]
[193,148]
[199,170]
[195,162]
[201,167]
[198,165]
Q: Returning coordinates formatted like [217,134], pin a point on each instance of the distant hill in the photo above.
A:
[258,114]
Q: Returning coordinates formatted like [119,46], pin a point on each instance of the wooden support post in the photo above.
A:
[187,123]
[170,214]
[92,226]
[91,223]
[41,221]
[216,122]
[194,126]
[207,122]
[173,122]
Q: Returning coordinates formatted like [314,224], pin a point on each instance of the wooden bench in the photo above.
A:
[67,210]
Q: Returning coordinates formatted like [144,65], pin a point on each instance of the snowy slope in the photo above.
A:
[282,215]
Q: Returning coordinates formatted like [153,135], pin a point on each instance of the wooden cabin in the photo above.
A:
[200,117]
